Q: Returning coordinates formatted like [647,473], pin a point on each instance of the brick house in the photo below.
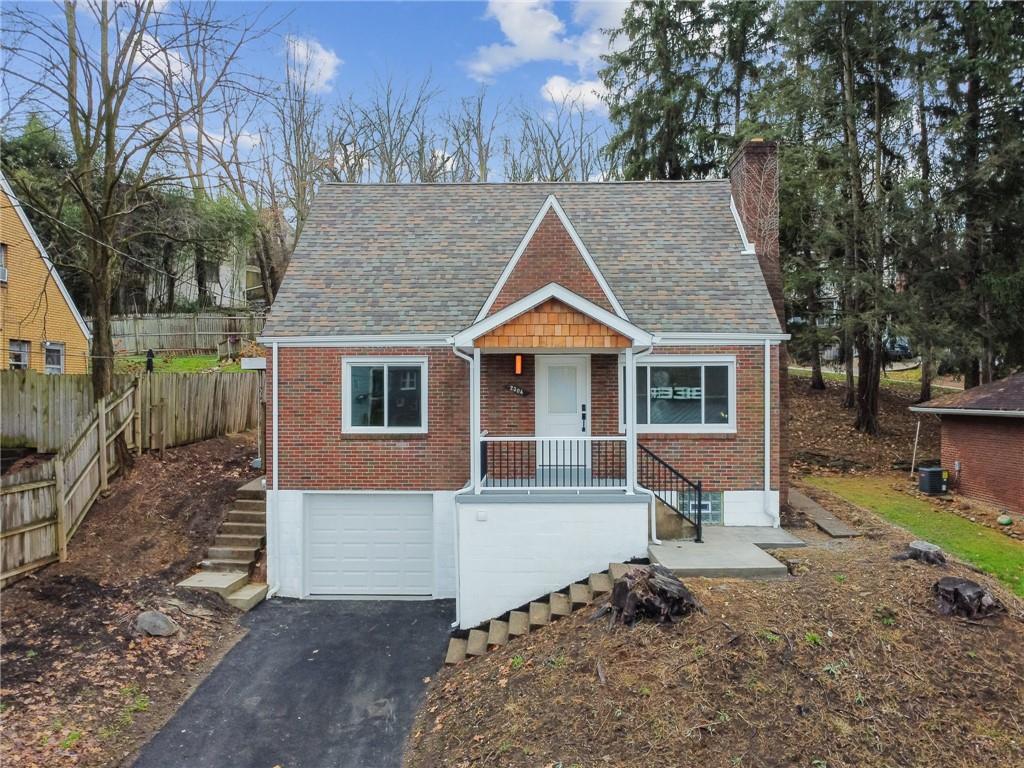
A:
[40,327]
[982,435]
[486,390]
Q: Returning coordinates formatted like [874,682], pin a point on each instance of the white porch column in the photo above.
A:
[474,421]
[630,406]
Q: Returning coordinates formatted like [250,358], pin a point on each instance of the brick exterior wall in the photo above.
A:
[550,257]
[315,455]
[32,307]
[728,462]
[991,455]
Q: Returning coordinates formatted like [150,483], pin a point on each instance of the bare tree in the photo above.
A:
[560,145]
[106,82]
[391,117]
[471,130]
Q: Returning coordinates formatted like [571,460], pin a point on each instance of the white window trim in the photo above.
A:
[348,363]
[25,348]
[48,345]
[687,429]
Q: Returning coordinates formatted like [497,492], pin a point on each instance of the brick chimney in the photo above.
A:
[754,176]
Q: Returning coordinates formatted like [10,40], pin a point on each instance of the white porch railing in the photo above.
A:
[537,464]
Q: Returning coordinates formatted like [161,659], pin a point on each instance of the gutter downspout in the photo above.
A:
[272,522]
[631,410]
[768,434]
[474,459]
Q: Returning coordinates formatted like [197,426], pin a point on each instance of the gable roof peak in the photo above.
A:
[551,204]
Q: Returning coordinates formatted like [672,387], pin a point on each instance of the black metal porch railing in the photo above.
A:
[670,486]
[553,463]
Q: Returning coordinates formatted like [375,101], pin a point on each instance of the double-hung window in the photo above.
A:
[53,357]
[384,395]
[17,354]
[683,393]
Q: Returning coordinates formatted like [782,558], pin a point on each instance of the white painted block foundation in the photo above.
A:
[749,508]
[512,553]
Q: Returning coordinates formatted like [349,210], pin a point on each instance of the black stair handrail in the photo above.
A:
[662,479]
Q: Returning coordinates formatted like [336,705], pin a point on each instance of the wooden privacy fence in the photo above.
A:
[41,507]
[42,412]
[134,334]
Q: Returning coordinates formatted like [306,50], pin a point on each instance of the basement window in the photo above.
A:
[384,395]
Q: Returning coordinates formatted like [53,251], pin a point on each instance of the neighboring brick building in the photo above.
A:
[534,362]
[983,440]
[40,327]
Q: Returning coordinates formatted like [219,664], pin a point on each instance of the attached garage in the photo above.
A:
[369,544]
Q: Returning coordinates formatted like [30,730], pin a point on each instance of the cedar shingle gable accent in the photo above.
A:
[553,325]
[550,257]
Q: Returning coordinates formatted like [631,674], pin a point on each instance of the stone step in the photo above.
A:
[225,564]
[246,516]
[252,490]
[251,505]
[456,650]
[618,570]
[518,623]
[232,553]
[476,645]
[497,632]
[243,529]
[600,583]
[247,596]
[230,540]
[540,614]
[581,594]
[221,582]
[560,604]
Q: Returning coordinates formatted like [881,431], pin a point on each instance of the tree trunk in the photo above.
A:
[926,376]
[203,295]
[172,280]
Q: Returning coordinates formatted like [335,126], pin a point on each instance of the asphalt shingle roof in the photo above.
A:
[1004,395]
[383,259]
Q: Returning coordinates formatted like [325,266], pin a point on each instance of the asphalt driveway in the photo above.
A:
[315,683]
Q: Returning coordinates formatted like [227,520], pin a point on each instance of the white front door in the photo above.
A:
[563,411]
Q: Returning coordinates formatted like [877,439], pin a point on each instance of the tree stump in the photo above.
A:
[651,592]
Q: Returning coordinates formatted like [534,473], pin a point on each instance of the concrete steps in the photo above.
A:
[236,548]
[539,613]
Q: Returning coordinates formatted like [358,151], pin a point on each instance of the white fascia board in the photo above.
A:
[553,291]
[46,259]
[382,340]
[737,339]
[551,203]
[967,412]
[748,247]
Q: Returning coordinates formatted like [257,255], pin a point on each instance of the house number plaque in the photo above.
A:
[516,390]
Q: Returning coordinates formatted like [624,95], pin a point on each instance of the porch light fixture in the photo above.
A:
[519,365]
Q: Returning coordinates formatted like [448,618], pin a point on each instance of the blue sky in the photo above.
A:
[519,50]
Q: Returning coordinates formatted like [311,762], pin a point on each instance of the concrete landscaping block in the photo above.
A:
[221,582]
[246,597]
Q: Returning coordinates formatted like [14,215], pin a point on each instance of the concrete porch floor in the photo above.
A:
[726,551]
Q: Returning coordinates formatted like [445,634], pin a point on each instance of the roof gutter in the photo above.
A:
[968,412]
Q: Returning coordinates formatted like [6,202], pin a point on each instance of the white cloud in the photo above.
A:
[585,93]
[534,32]
[308,59]
[160,61]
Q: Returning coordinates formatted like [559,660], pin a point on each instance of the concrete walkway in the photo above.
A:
[727,551]
[315,683]
[820,516]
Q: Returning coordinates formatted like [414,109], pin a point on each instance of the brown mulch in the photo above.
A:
[820,433]
[79,688]
[846,664]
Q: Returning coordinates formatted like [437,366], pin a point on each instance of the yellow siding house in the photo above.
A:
[40,327]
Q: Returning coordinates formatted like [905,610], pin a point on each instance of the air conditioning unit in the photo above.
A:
[933,481]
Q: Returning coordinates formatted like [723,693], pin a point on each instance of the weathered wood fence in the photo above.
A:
[40,411]
[41,507]
[134,334]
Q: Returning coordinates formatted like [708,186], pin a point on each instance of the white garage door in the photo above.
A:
[380,544]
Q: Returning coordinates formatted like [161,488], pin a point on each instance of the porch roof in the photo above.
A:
[614,333]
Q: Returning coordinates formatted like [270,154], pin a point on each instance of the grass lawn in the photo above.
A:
[989,550]
[182,364]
